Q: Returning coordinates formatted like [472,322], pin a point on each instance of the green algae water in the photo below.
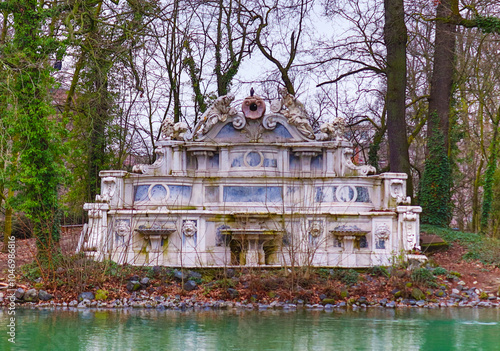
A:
[371,329]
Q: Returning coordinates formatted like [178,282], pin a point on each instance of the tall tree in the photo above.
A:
[35,172]
[294,15]
[395,37]
[443,71]
[435,190]
[106,41]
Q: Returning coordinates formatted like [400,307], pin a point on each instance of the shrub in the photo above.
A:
[440,271]
[346,276]
[225,283]
[423,276]
[378,271]
[101,295]
[31,271]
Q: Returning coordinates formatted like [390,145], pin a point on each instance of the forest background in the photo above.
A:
[86,84]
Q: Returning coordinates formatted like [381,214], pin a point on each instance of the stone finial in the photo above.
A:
[108,189]
[334,130]
[167,128]
[171,131]
[180,129]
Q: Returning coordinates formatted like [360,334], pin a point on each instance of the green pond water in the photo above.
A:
[371,329]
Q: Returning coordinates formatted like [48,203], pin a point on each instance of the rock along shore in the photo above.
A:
[146,301]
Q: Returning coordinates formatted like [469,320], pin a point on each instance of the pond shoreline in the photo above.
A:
[191,304]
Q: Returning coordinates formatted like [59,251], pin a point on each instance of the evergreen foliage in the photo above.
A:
[488,24]
[36,170]
[436,183]
[494,222]
[488,182]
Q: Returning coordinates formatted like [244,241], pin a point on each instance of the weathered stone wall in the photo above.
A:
[250,189]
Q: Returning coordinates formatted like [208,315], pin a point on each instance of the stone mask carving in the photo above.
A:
[189,228]
[315,229]
[122,228]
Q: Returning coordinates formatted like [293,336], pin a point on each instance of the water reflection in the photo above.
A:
[372,329]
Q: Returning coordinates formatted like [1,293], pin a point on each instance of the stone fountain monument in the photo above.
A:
[252,187]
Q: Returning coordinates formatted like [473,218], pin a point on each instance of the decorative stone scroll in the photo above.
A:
[149,169]
[360,170]
[219,111]
[98,218]
[397,192]
[269,122]
[108,189]
[239,122]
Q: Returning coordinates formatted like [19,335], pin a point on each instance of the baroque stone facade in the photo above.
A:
[252,188]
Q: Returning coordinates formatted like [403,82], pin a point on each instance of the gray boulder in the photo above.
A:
[87,295]
[232,292]
[190,285]
[230,272]
[31,295]
[133,285]
[390,304]
[19,294]
[44,296]
[194,275]
[440,293]
[397,293]
[180,275]
[417,294]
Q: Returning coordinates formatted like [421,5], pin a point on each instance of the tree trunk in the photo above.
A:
[442,73]
[489,175]
[395,37]
[7,232]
